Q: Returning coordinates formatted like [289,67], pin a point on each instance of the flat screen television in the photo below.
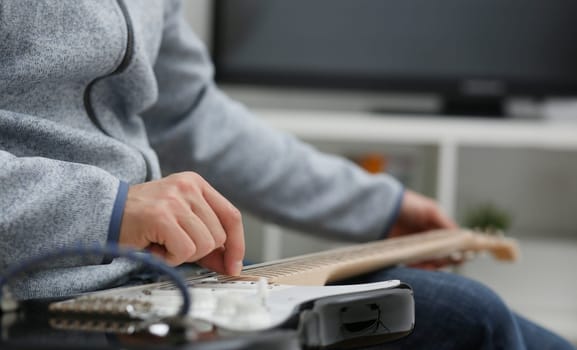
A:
[473,53]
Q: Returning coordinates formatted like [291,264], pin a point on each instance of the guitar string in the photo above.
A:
[321,259]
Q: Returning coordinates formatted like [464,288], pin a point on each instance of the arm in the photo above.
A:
[418,214]
[46,204]
[195,126]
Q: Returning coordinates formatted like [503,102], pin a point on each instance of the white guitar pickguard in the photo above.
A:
[239,306]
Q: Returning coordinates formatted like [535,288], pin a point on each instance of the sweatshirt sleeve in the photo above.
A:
[194,126]
[48,204]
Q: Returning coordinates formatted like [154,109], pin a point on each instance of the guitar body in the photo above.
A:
[232,306]
[284,294]
[224,315]
[34,328]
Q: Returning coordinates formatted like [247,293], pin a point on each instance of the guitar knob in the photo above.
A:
[262,290]
[250,315]
[239,312]
[226,306]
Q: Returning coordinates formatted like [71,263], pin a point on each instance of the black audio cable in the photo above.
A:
[110,251]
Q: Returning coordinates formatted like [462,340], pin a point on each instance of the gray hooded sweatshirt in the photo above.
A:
[97,95]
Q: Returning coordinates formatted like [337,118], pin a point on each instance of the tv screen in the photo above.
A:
[457,48]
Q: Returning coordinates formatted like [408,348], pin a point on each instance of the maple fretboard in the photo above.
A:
[341,263]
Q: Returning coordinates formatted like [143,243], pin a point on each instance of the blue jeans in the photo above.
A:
[454,312]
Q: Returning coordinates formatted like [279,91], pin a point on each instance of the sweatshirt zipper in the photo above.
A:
[122,66]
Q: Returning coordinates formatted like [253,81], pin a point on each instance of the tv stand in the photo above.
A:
[493,107]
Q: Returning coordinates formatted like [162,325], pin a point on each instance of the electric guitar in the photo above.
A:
[267,295]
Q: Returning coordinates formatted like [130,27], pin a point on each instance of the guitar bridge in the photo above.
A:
[112,306]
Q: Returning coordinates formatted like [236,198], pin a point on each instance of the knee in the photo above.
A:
[480,304]
[456,311]
[471,306]
[441,293]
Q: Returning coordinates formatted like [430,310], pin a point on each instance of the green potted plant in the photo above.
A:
[488,217]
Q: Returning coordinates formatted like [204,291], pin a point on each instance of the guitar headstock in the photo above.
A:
[501,247]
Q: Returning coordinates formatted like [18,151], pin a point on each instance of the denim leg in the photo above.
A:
[538,337]
[454,312]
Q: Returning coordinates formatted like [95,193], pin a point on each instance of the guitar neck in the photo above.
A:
[341,263]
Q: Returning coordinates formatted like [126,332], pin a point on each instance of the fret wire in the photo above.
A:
[339,255]
[355,253]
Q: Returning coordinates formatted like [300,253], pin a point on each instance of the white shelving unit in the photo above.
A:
[550,303]
[448,134]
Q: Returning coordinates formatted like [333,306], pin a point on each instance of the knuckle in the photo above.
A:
[182,184]
[187,182]
[234,215]
[172,204]
[188,176]
[171,192]
[219,239]
[188,251]
[205,246]
[192,175]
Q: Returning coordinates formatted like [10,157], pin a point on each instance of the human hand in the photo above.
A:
[181,218]
[419,214]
